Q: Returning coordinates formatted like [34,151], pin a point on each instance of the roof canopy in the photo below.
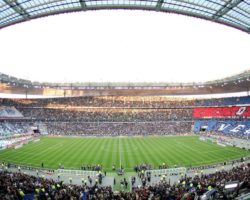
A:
[234,13]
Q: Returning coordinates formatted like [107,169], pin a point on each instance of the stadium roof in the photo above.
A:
[13,85]
[234,13]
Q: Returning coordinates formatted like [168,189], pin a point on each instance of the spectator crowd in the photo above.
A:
[82,114]
[22,186]
[103,101]
[118,128]
[108,115]
[113,116]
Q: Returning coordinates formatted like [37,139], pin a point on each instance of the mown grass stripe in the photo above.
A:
[73,152]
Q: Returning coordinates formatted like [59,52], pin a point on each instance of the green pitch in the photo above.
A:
[129,151]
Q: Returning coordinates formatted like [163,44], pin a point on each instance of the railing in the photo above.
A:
[170,171]
[76,172]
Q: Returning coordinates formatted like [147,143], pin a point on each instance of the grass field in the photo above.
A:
[129,151]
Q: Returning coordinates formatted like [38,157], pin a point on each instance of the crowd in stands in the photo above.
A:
[118,128]
[103,101]
[125,101]
[9,112]
[101,116]
[223,101]
[115,115]
[8,128]
[229,127]
[106,114]
[22,186]
[6,143]
[12,133]
[192,188]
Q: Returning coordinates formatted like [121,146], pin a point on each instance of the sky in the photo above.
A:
[122,46]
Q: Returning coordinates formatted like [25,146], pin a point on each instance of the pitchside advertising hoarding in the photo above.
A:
[222,112]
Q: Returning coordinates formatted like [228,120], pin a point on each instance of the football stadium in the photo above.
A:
[125,140]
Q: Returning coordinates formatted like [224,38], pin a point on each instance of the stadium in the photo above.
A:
[125,140]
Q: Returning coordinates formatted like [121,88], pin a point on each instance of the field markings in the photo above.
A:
[27,153]
[215,157]
[23,149]
[234,152]
[192,158]
[200,153]
[21,156]
[121,151]
[48,152]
